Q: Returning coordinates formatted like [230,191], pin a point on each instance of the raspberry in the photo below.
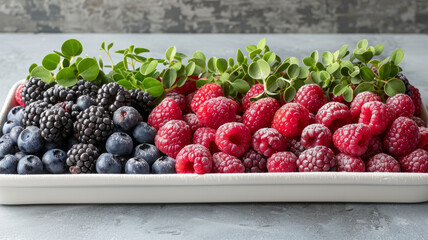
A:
[194,158]
[315,135]
[417,101]
[317,159]
[233,138]
[167,110]
[253,162]
[419,121]
[205,93]
[334,115]
[416,161]
[402,137]
[206,137]
[382,163]
[338,99]
[290,119]
[282,162]
[254,91]
[359,101]
[295,146]
[225,163]
[237,104]
[18,96]
[376,115]
[189,86]
[352,139]
[172,137]
[216,111]
[192,121]
[375,147]
[347,163]
[268,141]
[402,105]
[260,114]
[189,101]
[311,97]
[179,98]
[238,118]
[312,118]
[423,142]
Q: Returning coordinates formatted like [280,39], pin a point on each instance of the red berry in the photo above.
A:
[189,99]
[189,86]
[423,142]
[376,115]
[225,163]
[352,139]
[206,137]
[194,158]
[167,110]
[375,147]
[238,118]
[315,135]
[260,114]
[192,121]
[338,99]
[205,93]
[402,105]
[216,111]
[311,96]
[382,163]
[268,141]
[172,137]
[282,162]
[417,101]
[402,137]
[419,121]
[290,119]
[334,115]
[254,91]
[347,163]
[295,146]
[253,162]
[233,138]
[18,96]
[317,159]
[179,98]
[359,101]
[312,118]
[416,161]
[237,104]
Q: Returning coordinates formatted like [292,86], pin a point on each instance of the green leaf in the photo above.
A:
[262,44]
[271,85]
[126,84]
[201,83]
[269,57]
[397,56]
[221,64]
[32,67]
[199,62]
[289,94]
[385,71]
[239,57]
[103,44]
[364,87]
[259,69]
[100,62]
[88,69]
[170,53]
[324,76]
[303,72]
[254,53]
[180,56]
[51,61]
[281,68]
[212,65]
[42,73]
[293,71]
[149,67]
[379,49]
[394,86]
[343,51]
[315,55]
[241,86]
[362,44]
[250,48]
[66,77]
[394,70]
[366,74]
[231,62]
[308,61]
[355,72]
[140,50]
[333,68]
[177,66]
[153,86]
[169,77]
[355,80]
[109,46]
[190,68]
[71,48]
[181,81]
[292,60]
[315,77]
[339,89]
[200,55]
[327,58]
[346,67]
[348,94]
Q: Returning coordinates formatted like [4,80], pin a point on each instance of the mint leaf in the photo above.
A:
[71,48]
[170,53]
[88,69]
[51,61]
[169,77]
[241,86]
[259,69]
[397,56]
[262,44]
[66,77]
[221,65]
[42,73]
[394,86]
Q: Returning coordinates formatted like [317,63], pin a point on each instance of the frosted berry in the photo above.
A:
[347,163]
[282,162]
[317,159]
[359,101]
[233,138]
[402,105]
[172,137]
[192,121]
[268,141]
[295,146]
[253,162]
[419,121]
[225,163]
[382,163]
[315,135]
[402,137]
[291,119]
[352,139]
[423,142]
[189,86]
[206,92]
[179,98]
[194,158]
[18,95]
[333,115]
[416,161]
[167,110]
[376,115]
[375,147]
[260,114]
[254,91]
[206,137]
[417,101]
[216,111]
[311,96]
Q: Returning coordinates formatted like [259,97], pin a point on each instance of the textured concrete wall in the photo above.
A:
[215,16]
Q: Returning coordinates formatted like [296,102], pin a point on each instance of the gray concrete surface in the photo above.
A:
[212,221]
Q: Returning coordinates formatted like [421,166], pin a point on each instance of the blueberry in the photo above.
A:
[54,161]
[8,164]
[6,137]
[16,114]
[137,166]
[83,102]
[148,152]
[30,140]
[164,165]
[126,117]
[118,129]
[14,133]
[30,165]
[144,133]
[119,144]
[7,127]
[20,155]
[108,163]
[6,147]
[52,145]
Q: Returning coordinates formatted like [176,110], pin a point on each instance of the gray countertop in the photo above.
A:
[212,221]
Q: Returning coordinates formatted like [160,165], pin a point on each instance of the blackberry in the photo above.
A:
[55,124]
[94,125]
[112,96]
[58,94]
[33,111]
[84,87]
[33,90]
[81,158]
[143,102]
[403,78]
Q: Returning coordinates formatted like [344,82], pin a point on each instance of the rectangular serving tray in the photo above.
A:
[192,188]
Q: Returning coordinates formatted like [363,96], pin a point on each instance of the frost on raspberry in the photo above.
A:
[254,91]
[317,159]
[172,137]
[194,158]
[206,137]
[282,162]
[402,105]
[205,93]
[359,101]
[347,163]
[375,147]
[225,163]
[402,137]
[376,115]
[419,121]
[233,138]
[179,98]
[416,161]
[260,114]
[423,142]
[352,139]
[315,135]
[382,163]
[334,115]
[311,96]
[192,121]
[268,141]
[291,119]
[216,111]
[253,162]
[295,146]
[167,110]
[417,101]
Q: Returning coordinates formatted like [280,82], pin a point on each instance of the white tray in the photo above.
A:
[187,188]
